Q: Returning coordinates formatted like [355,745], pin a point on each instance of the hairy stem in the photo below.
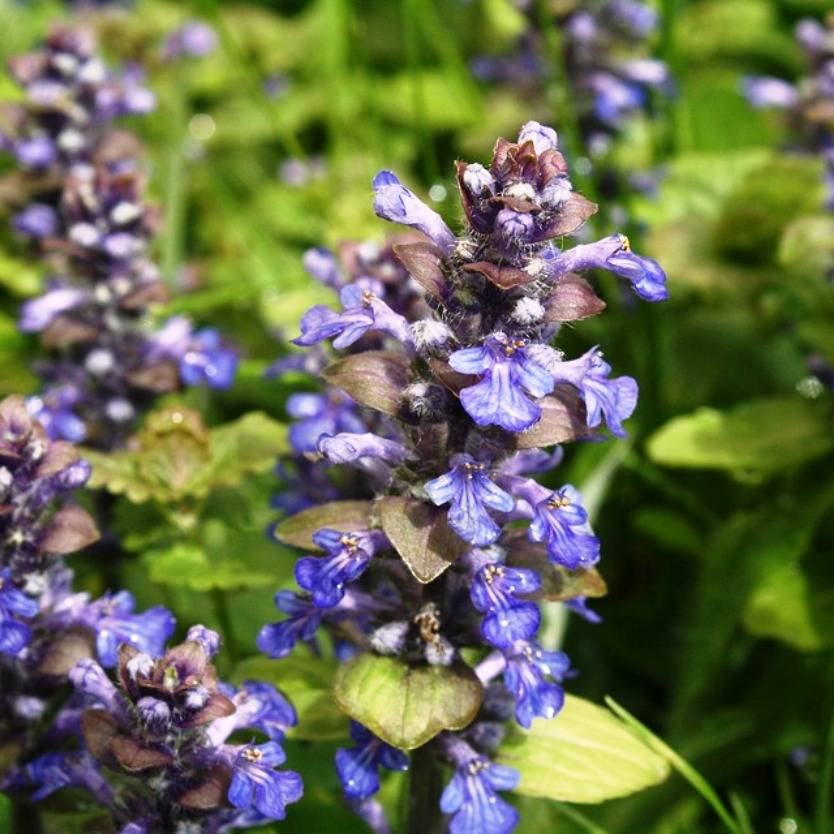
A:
[425,787]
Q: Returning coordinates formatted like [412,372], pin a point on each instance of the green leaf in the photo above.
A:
[756,439]
[298,529]
[404,705]
[308,683]
[248,445]
[807,245]
[21,278]
[787,606]
[584,755]
[759,209]
[175,457]
[190,565]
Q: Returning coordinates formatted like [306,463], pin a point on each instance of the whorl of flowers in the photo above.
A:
[45,627]
[155,746]
[88,219]
[810,102]
[444,406]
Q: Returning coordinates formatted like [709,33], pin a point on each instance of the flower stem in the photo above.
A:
[425,787]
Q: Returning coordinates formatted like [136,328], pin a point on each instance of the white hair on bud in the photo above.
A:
[478,180]
[466,248]
[528,311]
[430,333]
[521,191]
[535,266]
[556,191]
[420,399]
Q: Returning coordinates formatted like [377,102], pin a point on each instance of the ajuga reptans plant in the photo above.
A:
[46,626]
[450,405]
[86,216]
[156,752]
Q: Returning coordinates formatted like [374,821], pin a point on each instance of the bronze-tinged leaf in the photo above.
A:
[421,535]
[15,415]
[449,378]
[153,292]
[406,706]
[423,263]
[217,706]
[375,378]
[558,582]
[117,145]
[570,216]
[59,455]
[562,421]
[210,793]
[159,378]
[503,277]
[572,299]
[134,757]
[65,651]
[346,516]
[65,331]
[69,530]
[517,204]
[99,729]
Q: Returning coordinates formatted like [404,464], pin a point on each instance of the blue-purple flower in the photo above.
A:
[494,592]
[612,253]
[352,448]
[279,639]
[347,557]
[363,312]
[611,400]
[208,361]
[256,784]
[532,676]
[509,375]
[560,521]
[113,621]
[469,490]
[358,766]
[321,414]
[14,635]
[398,204]
[472,800]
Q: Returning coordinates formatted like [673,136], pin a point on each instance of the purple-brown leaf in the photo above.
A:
[423,262]
[421,535]
[570,216]
[503,277]
[69,530]
[375,378]
[562,421]
[572,299]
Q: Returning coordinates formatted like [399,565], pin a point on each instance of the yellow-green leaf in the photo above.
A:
[407,705]
[585,755]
